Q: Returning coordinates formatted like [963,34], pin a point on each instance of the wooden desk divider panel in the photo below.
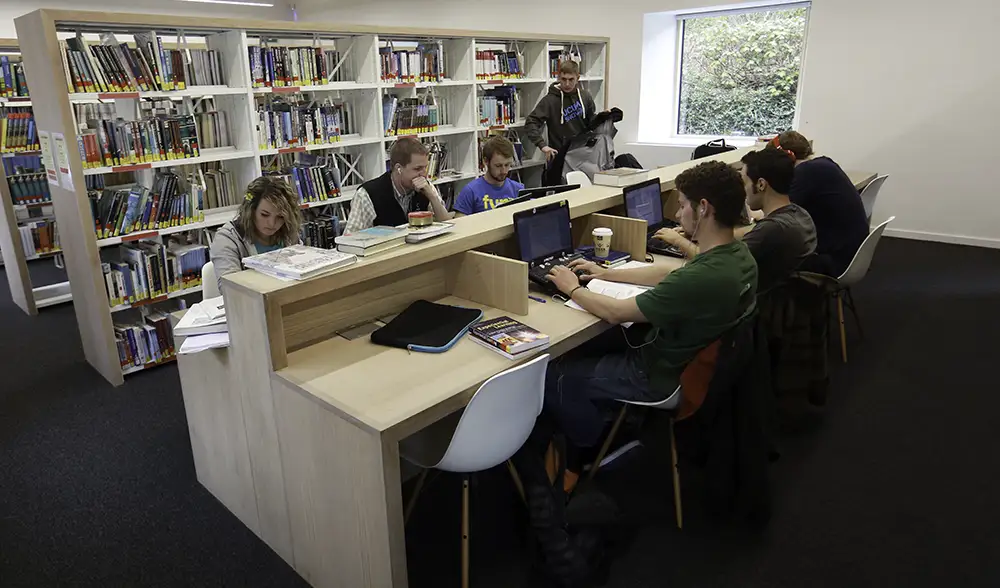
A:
[629,233]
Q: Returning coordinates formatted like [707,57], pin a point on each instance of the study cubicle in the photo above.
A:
[295,428]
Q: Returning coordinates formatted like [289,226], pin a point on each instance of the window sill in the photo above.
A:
[692,142]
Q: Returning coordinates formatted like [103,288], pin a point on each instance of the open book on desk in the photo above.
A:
[613,289]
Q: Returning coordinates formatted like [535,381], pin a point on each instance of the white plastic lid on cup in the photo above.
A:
[603,232]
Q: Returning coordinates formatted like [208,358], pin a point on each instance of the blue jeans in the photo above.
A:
[581,386]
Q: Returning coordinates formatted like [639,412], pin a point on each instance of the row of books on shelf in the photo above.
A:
[321,232]
[30,188]
[135,208]
[38,238]
[499,106]
[147,341]
[409,116]
[557,56]
[314,181]
[147,271]
[497,64]
[213,129]
[426,63]
[284,125]
[106,141]
[110,66]
[296,66]
[12,81]
[17,130]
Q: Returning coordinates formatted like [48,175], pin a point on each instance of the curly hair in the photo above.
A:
[276,191]
[720,185]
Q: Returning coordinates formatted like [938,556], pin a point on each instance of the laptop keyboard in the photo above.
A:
[539,273]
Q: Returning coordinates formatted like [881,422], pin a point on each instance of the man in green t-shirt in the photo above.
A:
[686,310]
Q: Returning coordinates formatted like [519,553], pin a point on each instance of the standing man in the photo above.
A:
[493,187]
[389,198]
[565,111]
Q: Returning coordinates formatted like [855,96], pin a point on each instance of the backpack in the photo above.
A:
[713,147]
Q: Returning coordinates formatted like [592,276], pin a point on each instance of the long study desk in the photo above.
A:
[296,429]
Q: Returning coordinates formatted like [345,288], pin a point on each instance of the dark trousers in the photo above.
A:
[581,386]
[552,176]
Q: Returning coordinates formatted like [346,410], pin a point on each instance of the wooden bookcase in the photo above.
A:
[364,89]
[13,216]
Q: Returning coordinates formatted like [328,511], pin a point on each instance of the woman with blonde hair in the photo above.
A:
[269,218]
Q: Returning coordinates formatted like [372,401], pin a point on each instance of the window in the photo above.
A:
[739,71]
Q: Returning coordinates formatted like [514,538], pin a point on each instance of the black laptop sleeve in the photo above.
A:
[427,326]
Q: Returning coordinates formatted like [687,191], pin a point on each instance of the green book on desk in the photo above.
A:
[370,241]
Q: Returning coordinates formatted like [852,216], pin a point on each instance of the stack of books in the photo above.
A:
[499,106]
[620,176]
[426,63]
[371,241]
[280,67]
[508,337]
[17,130]
[298,262]
[12,82]
[497,64]
[419,234]
[110,66]
[203,318]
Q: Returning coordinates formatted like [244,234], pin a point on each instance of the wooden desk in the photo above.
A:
[299,437]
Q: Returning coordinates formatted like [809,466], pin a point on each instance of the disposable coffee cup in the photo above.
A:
[602,242]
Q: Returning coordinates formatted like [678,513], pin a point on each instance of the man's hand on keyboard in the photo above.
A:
[673,237]
[586,270]
[564,279]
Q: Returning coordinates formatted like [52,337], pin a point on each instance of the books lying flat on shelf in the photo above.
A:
[372,240]
[497,64]
[12,82]
[508,337]
[296,66]
[426,63]
[17,130]
[418,234]
[207,316]
[147,271]
[298,262]
[621,176]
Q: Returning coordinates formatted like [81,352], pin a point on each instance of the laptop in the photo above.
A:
[526,194]
[642,201]
[545,239]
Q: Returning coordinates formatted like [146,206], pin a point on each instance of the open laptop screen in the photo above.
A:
[543,232]
[642,201]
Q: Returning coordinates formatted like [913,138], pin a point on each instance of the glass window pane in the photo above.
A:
[740,73]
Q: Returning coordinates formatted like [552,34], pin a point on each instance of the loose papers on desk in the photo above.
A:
[612,289]
[207,316]
[198,343]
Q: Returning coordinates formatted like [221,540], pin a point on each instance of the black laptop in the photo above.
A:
[642,201]
[525,194]
[545,238]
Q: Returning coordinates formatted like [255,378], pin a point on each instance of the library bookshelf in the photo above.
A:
[370,76]
[23,215]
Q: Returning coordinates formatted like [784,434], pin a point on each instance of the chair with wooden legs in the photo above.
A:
[669,403]
[841,287]
[493,426]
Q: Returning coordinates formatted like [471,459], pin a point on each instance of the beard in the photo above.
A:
[496,178]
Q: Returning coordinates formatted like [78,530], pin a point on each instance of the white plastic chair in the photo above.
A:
[578,177]
[869,193]
[493,426]
[855,272]
[669,403]
[209,281]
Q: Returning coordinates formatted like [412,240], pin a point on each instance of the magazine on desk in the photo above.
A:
[298,262]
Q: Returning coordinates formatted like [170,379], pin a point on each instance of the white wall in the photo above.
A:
[889,86]
[11,9]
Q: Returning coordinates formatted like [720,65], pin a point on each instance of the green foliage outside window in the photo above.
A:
[740,73]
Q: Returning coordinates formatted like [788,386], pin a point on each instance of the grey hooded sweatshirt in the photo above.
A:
[565,116]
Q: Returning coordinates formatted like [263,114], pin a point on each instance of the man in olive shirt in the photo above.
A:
[686,311]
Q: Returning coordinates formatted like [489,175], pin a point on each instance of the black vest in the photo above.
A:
[388,212]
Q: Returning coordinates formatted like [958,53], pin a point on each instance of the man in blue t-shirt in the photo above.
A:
[494,187]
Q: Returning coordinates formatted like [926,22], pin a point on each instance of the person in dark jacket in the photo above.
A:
[828,195]
[389,198]
[565,111]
